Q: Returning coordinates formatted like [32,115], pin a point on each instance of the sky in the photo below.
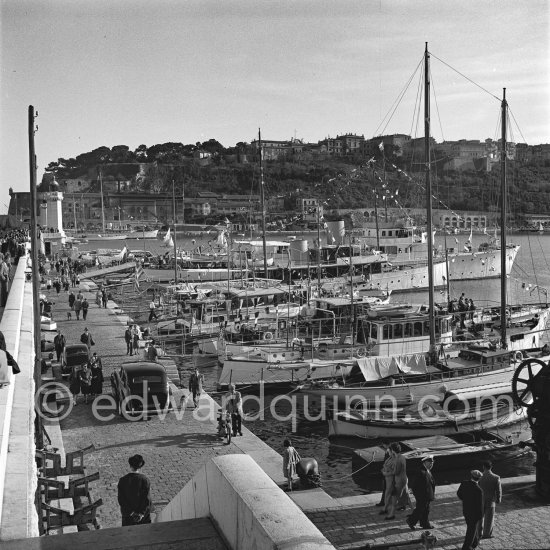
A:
[132,72]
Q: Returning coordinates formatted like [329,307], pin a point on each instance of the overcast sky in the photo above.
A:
[145,72]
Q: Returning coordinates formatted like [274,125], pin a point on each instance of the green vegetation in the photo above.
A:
[338,182]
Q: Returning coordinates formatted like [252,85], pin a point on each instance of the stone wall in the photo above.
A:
[248,508]
[18,473]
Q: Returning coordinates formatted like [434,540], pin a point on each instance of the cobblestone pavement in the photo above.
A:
[522,521]
[173,448]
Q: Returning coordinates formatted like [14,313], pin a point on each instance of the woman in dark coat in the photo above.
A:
[85,376]
[96,369]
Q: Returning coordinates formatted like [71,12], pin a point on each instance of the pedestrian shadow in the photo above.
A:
[196,440]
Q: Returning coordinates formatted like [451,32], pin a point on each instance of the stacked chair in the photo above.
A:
[64,498]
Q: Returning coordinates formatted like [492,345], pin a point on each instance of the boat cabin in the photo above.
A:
[402,332]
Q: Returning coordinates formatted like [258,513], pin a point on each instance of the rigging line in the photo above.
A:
[467,78]
[395,104]
[517,125]
[417,105]
[436,105]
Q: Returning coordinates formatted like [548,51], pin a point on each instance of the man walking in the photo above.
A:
[196,380]
[471,495]
[492,495]
[423,488]
[85,307]
[234,406]
[134,494]
[128,337]
[59,345]
[152,313]
[77,306]
[86,338]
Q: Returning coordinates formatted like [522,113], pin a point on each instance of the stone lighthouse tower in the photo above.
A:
[50,216]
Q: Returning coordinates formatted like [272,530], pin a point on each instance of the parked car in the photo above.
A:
[140,387]
[75,356]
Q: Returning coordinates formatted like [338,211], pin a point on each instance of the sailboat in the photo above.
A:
[410,380]
[167,241]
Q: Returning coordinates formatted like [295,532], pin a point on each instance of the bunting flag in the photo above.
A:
[139,273]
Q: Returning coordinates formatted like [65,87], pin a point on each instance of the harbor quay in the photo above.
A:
[173,446]
[522,520]
[183,448]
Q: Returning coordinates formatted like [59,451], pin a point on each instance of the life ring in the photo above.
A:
[268,336]
[518,356]
[360,352]
[237,327]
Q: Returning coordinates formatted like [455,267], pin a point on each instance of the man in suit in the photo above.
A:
[471,495]
[423,488]
[492,495]
[134,494]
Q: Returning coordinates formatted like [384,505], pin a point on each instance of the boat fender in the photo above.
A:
[518,356]
[361,352]
[268,336]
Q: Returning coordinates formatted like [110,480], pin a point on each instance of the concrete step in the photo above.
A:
[191,534]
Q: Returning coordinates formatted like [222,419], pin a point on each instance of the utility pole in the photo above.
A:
[37,375]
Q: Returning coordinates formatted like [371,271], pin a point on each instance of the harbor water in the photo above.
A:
[294,415]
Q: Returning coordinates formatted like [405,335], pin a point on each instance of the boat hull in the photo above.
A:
[339,427]
[434,386]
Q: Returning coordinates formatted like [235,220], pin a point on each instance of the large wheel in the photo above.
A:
[522,381]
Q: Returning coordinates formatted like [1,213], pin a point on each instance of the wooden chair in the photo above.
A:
[56,518]
[74,462]
[55,488]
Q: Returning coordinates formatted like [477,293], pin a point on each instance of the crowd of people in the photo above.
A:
[479,495]
[12,247]
[463,308]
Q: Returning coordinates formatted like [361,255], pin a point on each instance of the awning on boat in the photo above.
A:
[477,392]
[374,368]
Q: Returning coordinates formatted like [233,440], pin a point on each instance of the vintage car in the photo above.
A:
[76,355]
[141,387]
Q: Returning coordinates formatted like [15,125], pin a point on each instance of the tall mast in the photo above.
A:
[102,205]
[503,252]
[174,237]
[376,207]
[262,200]
[429,227]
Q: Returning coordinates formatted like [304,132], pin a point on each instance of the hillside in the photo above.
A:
[339,182]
